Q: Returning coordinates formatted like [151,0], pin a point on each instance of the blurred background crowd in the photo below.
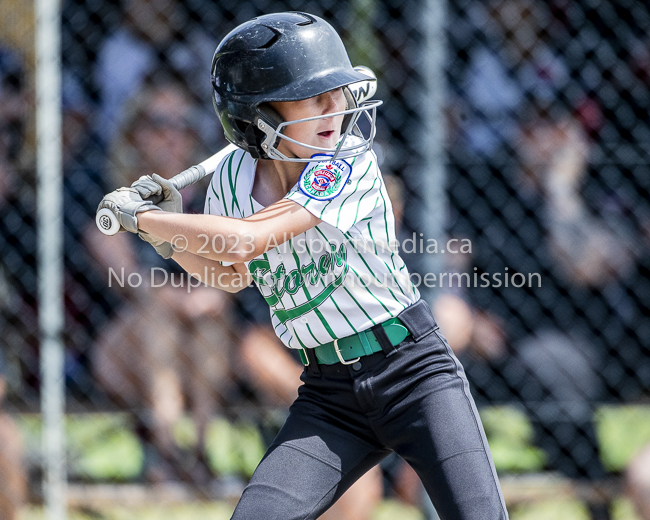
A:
[547,171]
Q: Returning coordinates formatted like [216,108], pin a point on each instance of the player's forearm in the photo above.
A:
[211,272]
[230,239]
[212,237]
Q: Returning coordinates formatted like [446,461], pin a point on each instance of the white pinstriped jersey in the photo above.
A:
[338,278]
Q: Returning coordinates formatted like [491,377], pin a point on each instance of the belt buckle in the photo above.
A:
[338,353]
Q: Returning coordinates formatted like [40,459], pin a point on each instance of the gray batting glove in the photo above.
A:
[126,203]
[156,186]
[162,247]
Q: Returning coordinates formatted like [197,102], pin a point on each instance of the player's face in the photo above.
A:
[321,133]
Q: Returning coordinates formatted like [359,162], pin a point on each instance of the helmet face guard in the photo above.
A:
[284,57]
[274,134]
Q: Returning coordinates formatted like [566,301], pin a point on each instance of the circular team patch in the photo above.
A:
[324,180]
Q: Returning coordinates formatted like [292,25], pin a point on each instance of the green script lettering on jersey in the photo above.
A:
[330,270]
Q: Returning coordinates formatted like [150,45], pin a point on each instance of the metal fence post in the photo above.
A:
[433,182]
[50,253]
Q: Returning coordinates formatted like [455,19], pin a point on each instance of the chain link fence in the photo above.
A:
[543,291]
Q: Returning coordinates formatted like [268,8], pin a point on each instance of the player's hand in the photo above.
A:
[156,186]
[125,204]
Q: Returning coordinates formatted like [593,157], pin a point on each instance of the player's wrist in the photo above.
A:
[145,218]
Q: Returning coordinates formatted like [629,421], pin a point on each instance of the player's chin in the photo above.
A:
[307,153]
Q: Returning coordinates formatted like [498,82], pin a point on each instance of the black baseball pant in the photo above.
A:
[347,418]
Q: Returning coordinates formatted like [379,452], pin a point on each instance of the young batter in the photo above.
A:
[302,210]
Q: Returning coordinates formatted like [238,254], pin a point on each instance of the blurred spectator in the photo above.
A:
[512,65]
[17,230]
[637,481]
[561,347]
[155,35]
[470,331]
[13,477]
[13,105]
[87,303]
[567,333]
[168,344]
[640,60]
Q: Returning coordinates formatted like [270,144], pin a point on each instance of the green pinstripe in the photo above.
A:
[338,217]
[362,196]
[233,184]
[223,195]
[346,289]
[351,242]
[370,292]
[391,271]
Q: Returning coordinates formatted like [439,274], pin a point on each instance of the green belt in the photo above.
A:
[349,349]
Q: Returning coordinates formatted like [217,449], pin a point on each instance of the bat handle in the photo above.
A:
[190,176]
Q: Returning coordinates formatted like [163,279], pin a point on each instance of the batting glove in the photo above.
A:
[162,247]
[156,186]
[126,203]
[149,186]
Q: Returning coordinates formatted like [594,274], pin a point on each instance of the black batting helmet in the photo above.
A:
[281,57]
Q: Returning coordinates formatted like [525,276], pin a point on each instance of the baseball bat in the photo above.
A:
[107,222]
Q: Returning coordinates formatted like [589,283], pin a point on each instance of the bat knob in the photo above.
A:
[107,222]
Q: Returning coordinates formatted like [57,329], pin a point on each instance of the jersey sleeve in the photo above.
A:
[339,192]
[214,199]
